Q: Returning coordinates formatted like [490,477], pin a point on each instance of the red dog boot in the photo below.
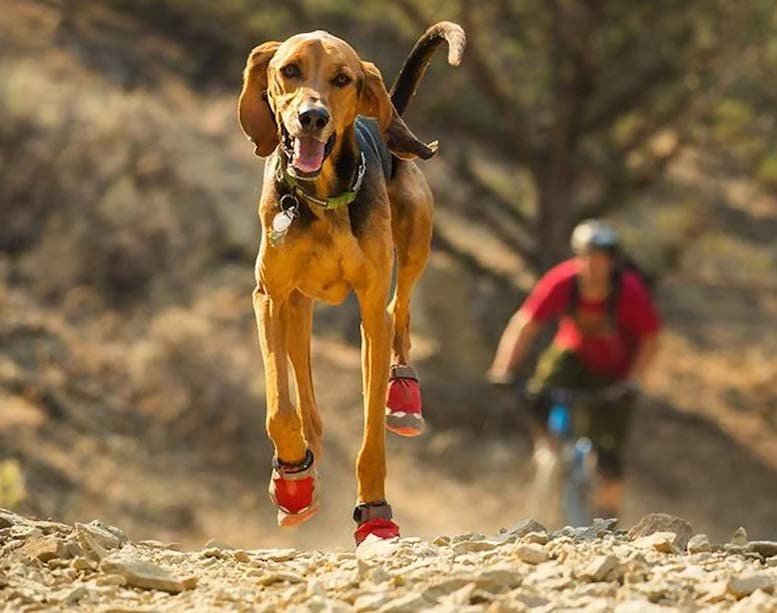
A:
[374,518]
[293,490]
[403,402]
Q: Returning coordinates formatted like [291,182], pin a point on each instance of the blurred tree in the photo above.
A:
[592,98]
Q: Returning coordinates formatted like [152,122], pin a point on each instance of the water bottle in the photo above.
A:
[560,420]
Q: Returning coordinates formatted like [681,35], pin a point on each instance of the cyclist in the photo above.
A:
[606,337]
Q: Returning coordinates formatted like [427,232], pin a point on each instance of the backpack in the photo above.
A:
[624,263]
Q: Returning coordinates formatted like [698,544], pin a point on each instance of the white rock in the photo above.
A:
[642,606]
[524,527]
[280,577]
[274,555]
[746,584]
[409,603]
[473,546]
[446,586]
[739,538]
[9,518]
[539,538]
[598,568]
[528,597]
[143,574]
[531,554]
[375,547]
[662,522]
[665,542]
[101,534]
[757,602]
[699,543]
[496,579]
[370,602]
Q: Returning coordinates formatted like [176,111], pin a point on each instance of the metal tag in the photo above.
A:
[282,220]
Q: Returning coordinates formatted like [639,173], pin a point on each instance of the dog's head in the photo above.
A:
[307,91]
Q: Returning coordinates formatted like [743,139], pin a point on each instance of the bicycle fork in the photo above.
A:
[578,482]
[576,467]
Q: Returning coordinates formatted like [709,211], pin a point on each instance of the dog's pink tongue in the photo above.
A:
[308,154]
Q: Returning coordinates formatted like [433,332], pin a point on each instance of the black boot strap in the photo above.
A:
[366,511]
[403,371]
[289,469]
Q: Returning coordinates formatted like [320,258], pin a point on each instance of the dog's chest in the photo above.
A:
[326,271]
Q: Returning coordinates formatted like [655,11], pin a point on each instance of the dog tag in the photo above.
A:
[282,221]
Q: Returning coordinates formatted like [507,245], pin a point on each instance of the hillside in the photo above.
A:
[130,379]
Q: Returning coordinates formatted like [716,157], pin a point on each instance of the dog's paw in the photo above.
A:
[294,490]
[403,402]
[381,528]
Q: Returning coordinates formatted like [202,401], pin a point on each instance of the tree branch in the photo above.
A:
[682,104]
[413,12]
[482,74]
[496,226]
[628,98]
[622,182]
[492,196]
[468,261]
[492,138]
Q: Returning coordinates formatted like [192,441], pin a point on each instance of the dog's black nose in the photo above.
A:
[313,118]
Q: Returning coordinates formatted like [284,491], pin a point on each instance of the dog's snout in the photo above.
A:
[313,118]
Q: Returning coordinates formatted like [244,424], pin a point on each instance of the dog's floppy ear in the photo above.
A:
[374,99]
[404,144]
[375,102]
[253,109]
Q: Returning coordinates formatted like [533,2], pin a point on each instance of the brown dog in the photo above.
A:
[340,196]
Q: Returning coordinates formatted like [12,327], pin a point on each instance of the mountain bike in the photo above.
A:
[565,459]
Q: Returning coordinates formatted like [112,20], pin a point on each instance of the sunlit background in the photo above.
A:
[131,385]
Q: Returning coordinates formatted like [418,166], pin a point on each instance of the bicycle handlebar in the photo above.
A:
[612,393]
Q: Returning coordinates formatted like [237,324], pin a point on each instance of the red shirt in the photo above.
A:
[603,347]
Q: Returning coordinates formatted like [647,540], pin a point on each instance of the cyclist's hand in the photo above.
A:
[500,377]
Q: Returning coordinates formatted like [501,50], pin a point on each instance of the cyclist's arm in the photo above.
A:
[648,346]
[547,300]
[644,323]
[514,345]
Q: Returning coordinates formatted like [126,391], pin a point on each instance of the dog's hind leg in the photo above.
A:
[299,329]
[293,481]
[411,261]
[411,202]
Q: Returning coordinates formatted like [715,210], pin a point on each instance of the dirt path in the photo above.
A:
[53,566]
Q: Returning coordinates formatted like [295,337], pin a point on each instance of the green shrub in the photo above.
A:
[767,172]
[12,490]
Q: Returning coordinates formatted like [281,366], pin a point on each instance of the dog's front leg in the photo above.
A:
[298,316]
[293,482]
[376,354]
[373,514]
[284,426]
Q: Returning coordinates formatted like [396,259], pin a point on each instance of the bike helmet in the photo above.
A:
[594,234]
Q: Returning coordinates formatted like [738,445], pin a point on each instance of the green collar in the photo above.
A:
[331,202]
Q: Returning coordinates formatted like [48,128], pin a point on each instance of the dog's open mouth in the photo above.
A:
[308,154]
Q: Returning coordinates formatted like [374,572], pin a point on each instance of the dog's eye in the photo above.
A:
[341,80]
[290,71]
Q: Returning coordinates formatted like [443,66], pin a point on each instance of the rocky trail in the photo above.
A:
[658,565]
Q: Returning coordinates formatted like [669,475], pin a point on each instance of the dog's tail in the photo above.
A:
[406,83]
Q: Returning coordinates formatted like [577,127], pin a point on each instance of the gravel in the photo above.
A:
[94,567]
